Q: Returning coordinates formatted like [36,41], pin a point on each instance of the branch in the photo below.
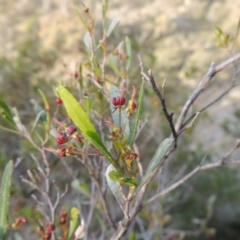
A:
[218,98]
[127,220]
[202,85]
[161,97]
[219,163]
[105,206]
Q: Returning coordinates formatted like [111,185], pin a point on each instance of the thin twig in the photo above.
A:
[107,212]
[218,163]
[202,85]
[161,97]
[219,97]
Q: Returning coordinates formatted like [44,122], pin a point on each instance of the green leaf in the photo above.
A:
[159,155]
[74,219]
[136,121]
[18,122]
[81,18]
[129,181]
[238,27]
[226,39]
[104,18]
[87,39]
[105,8]
[46,105]
[112,25]
[117,115]
[210,204]
[81,187]
[129,52]
[119,177]
[132,236]
[113,64]
[82,121]
[88,105]
[6,112]
[222,38]
[5,198]
[115,176]
[115,187]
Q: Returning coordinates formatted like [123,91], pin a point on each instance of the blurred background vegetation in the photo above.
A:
[42,43]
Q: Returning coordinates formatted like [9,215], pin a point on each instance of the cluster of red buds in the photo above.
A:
[63,137]
[47,231]
[63,151]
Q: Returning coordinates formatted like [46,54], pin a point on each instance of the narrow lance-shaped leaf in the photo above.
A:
[113,63]
[159,155]
[88,105]
[88,41]
[112,25]
[119,177]
[82,121]
[136,121]
[81,187]
[74,219]
[46,105]
[115,187]
[81,18]
[129,52]
[5,198]
[6,112]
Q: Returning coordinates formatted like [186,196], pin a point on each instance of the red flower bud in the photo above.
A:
[76,75]
[61,139]
[118,101]
[134,106]
[61,151]
[71,129]
[69,151]
[50,227]
[63,217]
[59,101]
[19,221]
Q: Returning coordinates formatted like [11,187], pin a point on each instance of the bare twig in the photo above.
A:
[184,127]
[202,85]
[92,205]
[161,97]
[91,172]
[218,163]
[226,91]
